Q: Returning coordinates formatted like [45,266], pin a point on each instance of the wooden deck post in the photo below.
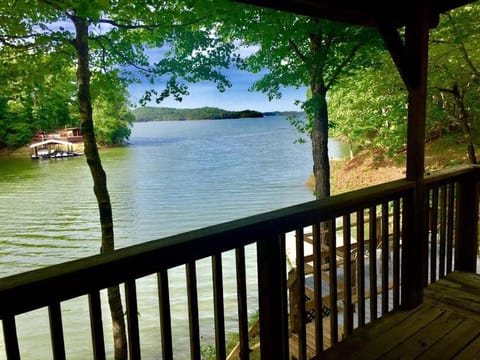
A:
[467,226]
[272,287]
[416,46]
[411,59]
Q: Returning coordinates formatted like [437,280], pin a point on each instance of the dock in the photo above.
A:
[53,149]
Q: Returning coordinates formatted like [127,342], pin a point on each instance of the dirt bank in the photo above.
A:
[369,168]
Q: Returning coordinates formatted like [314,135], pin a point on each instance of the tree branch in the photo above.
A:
[468,60]
[450,91]
[297,51]
[111,46]
[342,66]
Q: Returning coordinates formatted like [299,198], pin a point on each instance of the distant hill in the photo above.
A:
[150,113]
[283,113]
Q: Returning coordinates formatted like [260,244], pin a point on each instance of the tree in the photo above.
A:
[370,108]
[33,98]
[113,118]
[456,75]
[300,51]
[100,36]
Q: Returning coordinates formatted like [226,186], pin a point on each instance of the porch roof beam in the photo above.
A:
[370,13]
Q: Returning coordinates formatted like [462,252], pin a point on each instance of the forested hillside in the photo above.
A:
[150,113]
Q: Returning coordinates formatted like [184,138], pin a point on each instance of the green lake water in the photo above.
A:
[173,177]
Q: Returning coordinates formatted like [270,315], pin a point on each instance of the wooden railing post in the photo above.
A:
[467,223]
[414,68]
[413,253]
[272,298]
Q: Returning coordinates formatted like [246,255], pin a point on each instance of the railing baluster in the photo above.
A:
[300,283]
[272,298]
[10,338]
[347,274]
[426,262]
[282,252]
[132,319]
[283,293]
[466,246]
[457,206]
[165,317]
[443,230]
[333,286]
[219,312]
[317,286]
[193,310]
[242,302]
[433,235]
[450,225]
[385,258]
[372,261]
[56,331]
[361,267]
[96,325]
[396,254]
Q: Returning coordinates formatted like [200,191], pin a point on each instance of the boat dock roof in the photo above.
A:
[51,141]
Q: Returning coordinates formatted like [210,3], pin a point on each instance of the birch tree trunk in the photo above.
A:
[98,175]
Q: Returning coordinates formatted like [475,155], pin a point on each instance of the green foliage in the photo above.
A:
[298,51]
[37,95]
[122,34]
[111,114]
[208,351]
[455,70]
[41,96]
[370,107]
[171,114]
[112,122]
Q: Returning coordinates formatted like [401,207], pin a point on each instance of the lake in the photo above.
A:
[173,177]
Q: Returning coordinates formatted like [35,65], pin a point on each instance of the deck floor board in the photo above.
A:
[446,326]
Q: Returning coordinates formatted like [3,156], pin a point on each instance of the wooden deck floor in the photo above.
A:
[445,326]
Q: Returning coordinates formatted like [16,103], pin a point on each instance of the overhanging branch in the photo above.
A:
[297,51]
[342,66]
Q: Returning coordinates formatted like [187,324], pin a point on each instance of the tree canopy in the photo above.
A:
[300,51]
[370,108]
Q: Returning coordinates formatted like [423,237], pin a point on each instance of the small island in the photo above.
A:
[150,113]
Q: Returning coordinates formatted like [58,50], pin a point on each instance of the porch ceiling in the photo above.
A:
[366,12]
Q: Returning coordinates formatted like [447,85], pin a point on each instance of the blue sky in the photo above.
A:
[237,97]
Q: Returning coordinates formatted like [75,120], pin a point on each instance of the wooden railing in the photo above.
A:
[451,207]
[341,279]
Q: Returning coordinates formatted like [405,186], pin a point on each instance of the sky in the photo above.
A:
[203,94]
[236,98]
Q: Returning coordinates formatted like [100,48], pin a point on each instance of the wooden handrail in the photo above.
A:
[83,276]
[55,284]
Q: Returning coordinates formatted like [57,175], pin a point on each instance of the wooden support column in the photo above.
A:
[411,58]
[416,47]
[272,287]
